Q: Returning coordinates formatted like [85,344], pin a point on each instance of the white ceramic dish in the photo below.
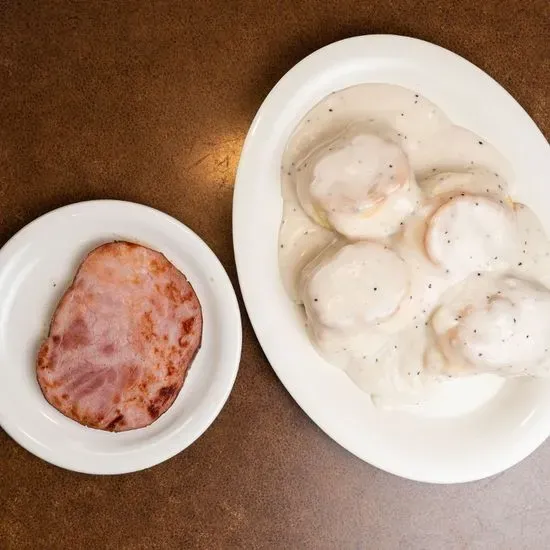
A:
[454,443]
[37,265]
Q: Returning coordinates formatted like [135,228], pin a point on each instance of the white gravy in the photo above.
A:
[386,357]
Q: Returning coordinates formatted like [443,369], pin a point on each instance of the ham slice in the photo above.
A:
[121,340]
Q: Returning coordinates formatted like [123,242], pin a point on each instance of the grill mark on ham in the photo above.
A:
[121,340]
[118,421]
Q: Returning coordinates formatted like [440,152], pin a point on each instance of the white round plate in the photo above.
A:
[503,428]
[36,267]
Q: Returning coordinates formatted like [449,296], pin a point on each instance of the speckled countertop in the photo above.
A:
[150,102]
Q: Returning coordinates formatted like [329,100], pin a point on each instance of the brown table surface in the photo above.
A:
[150,102]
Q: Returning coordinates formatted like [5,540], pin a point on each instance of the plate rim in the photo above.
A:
[238,198]
[139,461]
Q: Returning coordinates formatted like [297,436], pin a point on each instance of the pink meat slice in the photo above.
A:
[121,340]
